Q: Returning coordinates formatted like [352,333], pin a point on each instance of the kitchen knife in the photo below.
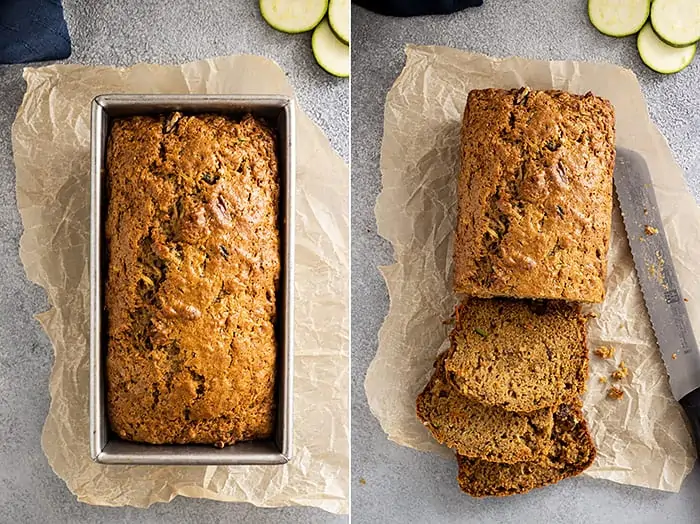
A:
[657,278]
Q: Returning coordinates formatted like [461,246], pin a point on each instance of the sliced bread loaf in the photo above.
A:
[520,355]
[479,431]
[572,451]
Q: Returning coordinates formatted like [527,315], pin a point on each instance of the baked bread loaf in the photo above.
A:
[479,431]
[520,355]
[535,195]
[572,451]
[193,270]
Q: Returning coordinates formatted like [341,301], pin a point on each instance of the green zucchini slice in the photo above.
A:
[331,53]
[660,56]
[677,22]
[618,17]
[339,18]
[293,16]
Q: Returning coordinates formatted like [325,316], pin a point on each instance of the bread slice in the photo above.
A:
[572,451]
[479,431]
[520,355]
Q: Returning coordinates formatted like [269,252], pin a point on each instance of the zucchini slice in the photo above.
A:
[339,18]
[331,53]
[677,22]
[293,16]
[660,56]
[618,17]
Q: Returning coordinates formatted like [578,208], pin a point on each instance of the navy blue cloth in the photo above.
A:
[416,7]
[32,31]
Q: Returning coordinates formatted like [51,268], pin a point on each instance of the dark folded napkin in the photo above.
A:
[32,31]
[417,7]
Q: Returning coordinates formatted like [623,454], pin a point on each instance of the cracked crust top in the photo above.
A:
[193,270]
[535,195]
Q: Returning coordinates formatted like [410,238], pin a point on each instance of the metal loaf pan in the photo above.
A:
[106,447]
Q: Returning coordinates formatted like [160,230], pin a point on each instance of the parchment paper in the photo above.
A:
[51,145]
[643,438]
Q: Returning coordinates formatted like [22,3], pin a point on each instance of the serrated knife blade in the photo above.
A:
[657,278]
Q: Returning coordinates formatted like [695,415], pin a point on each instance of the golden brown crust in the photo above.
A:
[193,250]
[535,195]
[520,355]
[572,452]
[479,431]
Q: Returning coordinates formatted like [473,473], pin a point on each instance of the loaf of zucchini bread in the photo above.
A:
[193,270]
[535,195]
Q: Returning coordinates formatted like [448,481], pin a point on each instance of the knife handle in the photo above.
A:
[691,404]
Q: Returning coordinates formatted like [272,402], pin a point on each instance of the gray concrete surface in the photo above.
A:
[402,485]
[122,33]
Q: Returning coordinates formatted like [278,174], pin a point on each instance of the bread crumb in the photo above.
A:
[219,444]
[650,230]
[674,356]
[363,481]
[621,372]
[604,352]
[685,299]
[615,393]
[603,380]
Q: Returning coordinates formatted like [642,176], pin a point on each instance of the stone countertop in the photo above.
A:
[123,33]
[402,485]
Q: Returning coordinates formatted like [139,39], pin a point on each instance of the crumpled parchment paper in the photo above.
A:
[643,438]
[51,144]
